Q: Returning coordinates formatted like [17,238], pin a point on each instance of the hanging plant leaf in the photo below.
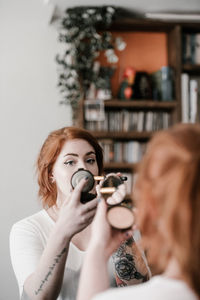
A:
[83,45]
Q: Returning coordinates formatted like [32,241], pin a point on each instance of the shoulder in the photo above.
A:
[33,223]
[169,288]
[156,288]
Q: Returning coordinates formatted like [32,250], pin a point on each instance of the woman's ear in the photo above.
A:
[52,178]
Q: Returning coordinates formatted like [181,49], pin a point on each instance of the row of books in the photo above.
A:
[125,121]
[190,90]
[191,48]
[117,151]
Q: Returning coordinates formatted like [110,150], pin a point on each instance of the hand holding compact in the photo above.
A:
[73,215]
[119,212]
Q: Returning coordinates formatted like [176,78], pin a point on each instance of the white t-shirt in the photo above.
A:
[157,288]
[28,239]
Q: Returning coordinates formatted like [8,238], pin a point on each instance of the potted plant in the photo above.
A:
[78,67]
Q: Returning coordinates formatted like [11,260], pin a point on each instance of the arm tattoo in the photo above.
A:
[125,261]
[51,268]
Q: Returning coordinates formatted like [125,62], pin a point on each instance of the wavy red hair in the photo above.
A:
[167,194]
[49,153]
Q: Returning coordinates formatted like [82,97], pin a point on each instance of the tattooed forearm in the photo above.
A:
[51,268]
[129,265]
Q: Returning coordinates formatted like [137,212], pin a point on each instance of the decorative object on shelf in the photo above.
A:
[103,84]
[126,86]
[142,86]
[83,44]
[162,81]
[101,88]
[94,110]
[191,48]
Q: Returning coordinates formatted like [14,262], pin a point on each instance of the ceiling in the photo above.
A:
[141,6]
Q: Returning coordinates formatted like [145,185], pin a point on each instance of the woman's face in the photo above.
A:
[75,154]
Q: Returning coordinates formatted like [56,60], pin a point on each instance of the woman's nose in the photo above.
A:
[81,165]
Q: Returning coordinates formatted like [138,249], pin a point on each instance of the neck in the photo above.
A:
[53,212]
[173,269]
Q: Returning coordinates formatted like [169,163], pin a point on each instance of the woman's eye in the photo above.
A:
[69,163]
[90,161]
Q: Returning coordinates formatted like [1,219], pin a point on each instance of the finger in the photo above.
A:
[101,209]
[119,174]
[135,227]
[128,234]
[98,190]
[91,213]
[91,205]
[125,235]
[78,189]
[89,216]
[117,196]
[122,189]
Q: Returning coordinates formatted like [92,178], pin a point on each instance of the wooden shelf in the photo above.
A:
[140,24]
[190,68]
[122,135]
[120,165]
[152,104]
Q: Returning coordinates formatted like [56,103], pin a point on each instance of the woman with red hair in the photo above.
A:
[167,196]
[47,248]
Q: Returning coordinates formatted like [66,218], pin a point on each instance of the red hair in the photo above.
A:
[167,194]
[49,153]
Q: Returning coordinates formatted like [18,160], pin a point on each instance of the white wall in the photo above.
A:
[29,110]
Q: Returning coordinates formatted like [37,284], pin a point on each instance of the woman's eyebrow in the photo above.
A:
[73,154]
[91,152]
[86,154]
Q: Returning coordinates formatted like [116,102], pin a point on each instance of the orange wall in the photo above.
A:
[145,51]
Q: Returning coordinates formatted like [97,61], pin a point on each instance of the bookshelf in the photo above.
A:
[190,72]
[119,110]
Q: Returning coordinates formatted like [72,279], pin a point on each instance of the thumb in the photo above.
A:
[101,208]
[78,189]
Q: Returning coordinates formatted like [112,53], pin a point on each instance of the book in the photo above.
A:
[193,85]
[197,78]
[197,49]
[185,97]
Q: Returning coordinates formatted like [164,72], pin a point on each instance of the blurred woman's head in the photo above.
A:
[49,161]
[167,194]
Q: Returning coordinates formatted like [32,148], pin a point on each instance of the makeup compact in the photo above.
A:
[77,177]
[119,216]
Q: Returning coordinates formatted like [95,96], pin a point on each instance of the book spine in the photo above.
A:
[193,100]
[185,97]
[197,49]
